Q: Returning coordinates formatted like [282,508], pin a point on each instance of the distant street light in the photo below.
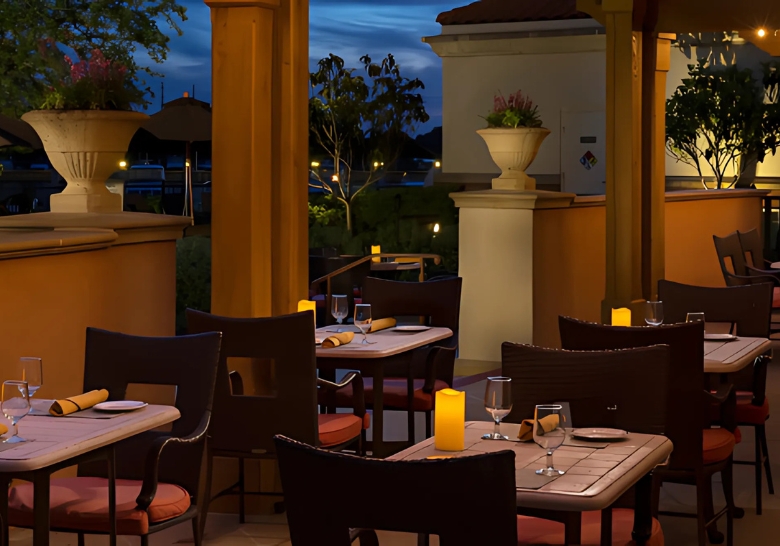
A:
[761,33]
[122,164]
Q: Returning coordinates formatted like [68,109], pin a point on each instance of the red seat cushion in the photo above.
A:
[81,504]
[542,531]
[747,413]
[718,444]
[338,428]
[395,394]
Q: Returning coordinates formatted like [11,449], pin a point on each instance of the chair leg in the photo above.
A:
[196,538]
[655,498]
[81,539]
[241,507]
[204,499]
[704,510]
[428,424]
[410,426]
[727,477]
[761,433]
[759,481]
[144,540]
[423,539]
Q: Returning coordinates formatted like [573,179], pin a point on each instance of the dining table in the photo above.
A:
[596,473]
[726,357]
[54,443]
[370,360]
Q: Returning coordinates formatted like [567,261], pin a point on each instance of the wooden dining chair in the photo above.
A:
[245,424]
[624,389]
[730,253]
[757,266]
[413,378]
[749,310]
[699,451]
[466,501]
[158,474]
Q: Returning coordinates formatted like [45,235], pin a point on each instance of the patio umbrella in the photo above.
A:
[188,120]
[15,132]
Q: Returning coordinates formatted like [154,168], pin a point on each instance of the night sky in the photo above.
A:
[348,28]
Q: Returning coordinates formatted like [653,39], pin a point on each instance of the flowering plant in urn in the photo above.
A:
[86,123]
[513,137]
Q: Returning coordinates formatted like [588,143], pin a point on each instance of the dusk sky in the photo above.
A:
[348,28]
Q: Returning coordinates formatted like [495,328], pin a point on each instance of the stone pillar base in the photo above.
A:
[86,202]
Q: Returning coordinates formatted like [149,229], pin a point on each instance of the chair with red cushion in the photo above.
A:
[699,451]
[749,310]
[159,473]
[285,344]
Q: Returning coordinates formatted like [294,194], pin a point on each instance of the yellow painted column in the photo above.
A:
[624,159]
[259,225]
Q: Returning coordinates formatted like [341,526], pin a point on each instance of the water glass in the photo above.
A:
[363,320]
[549,416]
[339,308]
[694,317]
[15,405]
[498,403]
[654,313]
[32,373]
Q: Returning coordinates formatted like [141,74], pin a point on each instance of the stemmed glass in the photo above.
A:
[15,405]
[32,373]
[654,314]
[339,308]
[694,317]
[363,320]
[498,403]
[549,416]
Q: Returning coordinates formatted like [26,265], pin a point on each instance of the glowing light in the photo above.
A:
[376,164]
[437,164]
[436,228]
[186,163]
[761,33]
[315,164]
[122,164]
[334,178]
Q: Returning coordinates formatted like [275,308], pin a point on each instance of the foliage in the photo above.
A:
[34,35]
[325,212]
[719,118]
[361,122]
[516,111]
[193,277]
[94,84]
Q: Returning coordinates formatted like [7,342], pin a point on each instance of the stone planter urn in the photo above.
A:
[513,150]
[85,147]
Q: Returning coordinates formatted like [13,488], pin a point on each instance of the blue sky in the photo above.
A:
[348,28]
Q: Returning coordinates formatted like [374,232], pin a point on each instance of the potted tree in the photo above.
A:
[86,124]
[513,137]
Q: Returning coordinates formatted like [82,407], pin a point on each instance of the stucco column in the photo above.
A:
[624,159]
[259,224]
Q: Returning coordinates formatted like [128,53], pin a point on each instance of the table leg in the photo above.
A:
[643,519]
[379,400]
[606,527]
[111,456]
[573,528]
[41,508]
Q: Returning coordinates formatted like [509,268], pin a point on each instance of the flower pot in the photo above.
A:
[85,147]
[513,150]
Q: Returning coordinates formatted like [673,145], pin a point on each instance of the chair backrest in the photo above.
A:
[113,361]
[344,283]
[465,500]
[749,306]
[752,248]
[688,414]
[729,248]
[248,423]
[623,389]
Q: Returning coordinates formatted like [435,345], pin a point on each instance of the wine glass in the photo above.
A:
[654,313]
[339,308]
[363,320]
[498,403]
[549,433]
[32,373]
[694,317]
[15,405]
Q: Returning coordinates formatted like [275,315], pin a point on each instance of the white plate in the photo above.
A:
[120,405]
[412,328]
[599,433]
[719,337]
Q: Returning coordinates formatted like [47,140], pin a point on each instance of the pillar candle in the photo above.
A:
[308,305]
[376,249]
[621,317]
[450,420]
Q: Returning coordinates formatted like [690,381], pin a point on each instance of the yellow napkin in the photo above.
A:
[78,403]
[381,324]
[3,429]
[526,433]
[338,339]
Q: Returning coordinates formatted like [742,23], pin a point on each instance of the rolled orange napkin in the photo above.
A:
[78,403]
[381,324]
[526,433]
[337,340]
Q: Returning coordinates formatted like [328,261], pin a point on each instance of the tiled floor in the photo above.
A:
[753,530]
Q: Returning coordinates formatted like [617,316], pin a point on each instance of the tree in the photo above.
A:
[35,34]
[361,122]
[721,118]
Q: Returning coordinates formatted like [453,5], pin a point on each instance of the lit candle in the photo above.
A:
[307,305]
[621,317]
[376,249]
[450,420]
